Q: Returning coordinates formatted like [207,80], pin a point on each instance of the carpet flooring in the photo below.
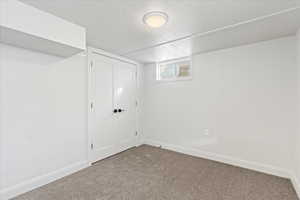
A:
[149,173]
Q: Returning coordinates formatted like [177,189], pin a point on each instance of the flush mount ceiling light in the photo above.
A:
[155,19]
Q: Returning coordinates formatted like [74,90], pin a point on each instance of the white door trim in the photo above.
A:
[110,55]
[90,102]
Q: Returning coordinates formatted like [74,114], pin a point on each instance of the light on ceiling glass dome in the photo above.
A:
[155,19]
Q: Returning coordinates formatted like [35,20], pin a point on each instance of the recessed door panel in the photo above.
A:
[125,100]
[113,117]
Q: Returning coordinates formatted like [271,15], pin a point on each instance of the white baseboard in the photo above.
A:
[296,183]
[36,182]
[139,142]
[18,189]
[98,154]
[268,169]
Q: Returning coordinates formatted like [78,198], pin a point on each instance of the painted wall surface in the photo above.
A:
[297,140]
[140,100]
[18,16]
[43,114]
[240,104]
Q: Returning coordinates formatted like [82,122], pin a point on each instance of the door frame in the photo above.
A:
[90,101]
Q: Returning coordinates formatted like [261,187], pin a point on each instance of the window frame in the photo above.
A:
[158,64]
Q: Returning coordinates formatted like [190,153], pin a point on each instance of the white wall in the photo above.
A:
[140,99]
[246,96]
[21,17]
[43,117]
[297,138]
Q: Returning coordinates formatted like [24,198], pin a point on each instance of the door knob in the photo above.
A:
[121,110]
[115,110]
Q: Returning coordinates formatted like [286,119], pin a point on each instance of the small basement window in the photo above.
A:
[175,70]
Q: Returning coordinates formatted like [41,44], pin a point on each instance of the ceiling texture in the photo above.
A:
[194,26]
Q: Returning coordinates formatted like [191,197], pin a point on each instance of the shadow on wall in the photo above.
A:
[43,115]
[246,96]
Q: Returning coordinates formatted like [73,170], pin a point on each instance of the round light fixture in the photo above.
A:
[155,19]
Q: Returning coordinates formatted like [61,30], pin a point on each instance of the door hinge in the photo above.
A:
[92,65]
[92,146]
[92,105]
[136,133]
[136,103]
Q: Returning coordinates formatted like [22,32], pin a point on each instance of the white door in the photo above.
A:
[113,117]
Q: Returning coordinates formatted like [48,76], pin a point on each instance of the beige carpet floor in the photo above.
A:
[149,173]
